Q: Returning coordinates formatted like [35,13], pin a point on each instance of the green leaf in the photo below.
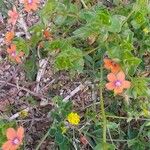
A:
[59,20]
[138,20]
[142,6]
[126,46]
[147,124]
[31,68]
[116,23]
[140,86]
[66,108]
[69,59]
[37,34]
[65,145]
[59,138]
[115,52]
[130,63]
[22,45]
[136,144]
[87,15]
[103,17]
[100,20]
[128,35]
[47,10]
[87,30]
[57,44]
[53,132]
[37,29]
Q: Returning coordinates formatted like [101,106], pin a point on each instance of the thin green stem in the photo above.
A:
[130,14]
[117,117]
[103,109]
[90,51]
[43,139]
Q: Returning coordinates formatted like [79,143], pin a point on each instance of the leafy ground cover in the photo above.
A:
[74,75]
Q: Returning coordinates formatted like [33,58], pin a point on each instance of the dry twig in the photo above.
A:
[25,89]
[24,26]
[76,90]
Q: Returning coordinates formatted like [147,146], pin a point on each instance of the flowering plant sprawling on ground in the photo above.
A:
[103,47]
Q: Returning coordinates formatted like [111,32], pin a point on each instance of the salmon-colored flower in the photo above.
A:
[30,5]
[13,54]
[117,82]
[13,14]
[14,138]
[111,65]
[9,36]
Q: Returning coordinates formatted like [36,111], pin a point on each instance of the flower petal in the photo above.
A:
[110,86]
[115,68]
[20,133]
[111,77]
[7,145]
[121,76]
[14,147]
[126,84]
[118,90]
[107,63]
[34,6]
[9,50]
[18,59]
[9,36]
[35,1]
[21,54]
[10,12]
[13,46]
[11,133]
[9,21]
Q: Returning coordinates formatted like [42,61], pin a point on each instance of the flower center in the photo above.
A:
[13,54]
[15,141]
[30,1]
[118,83]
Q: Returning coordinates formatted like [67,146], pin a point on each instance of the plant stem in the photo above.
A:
[43,139]
[103,109]
[130,14]
[90,51]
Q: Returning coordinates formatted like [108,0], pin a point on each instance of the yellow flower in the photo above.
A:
[63,130]
[146,30]
[23,114]
[73,118]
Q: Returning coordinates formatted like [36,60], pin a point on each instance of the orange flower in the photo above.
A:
[9,36]
[14,139]
[111,65]
[13,14]
[47,34]
[117,82]
[30,5]
[13,53]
